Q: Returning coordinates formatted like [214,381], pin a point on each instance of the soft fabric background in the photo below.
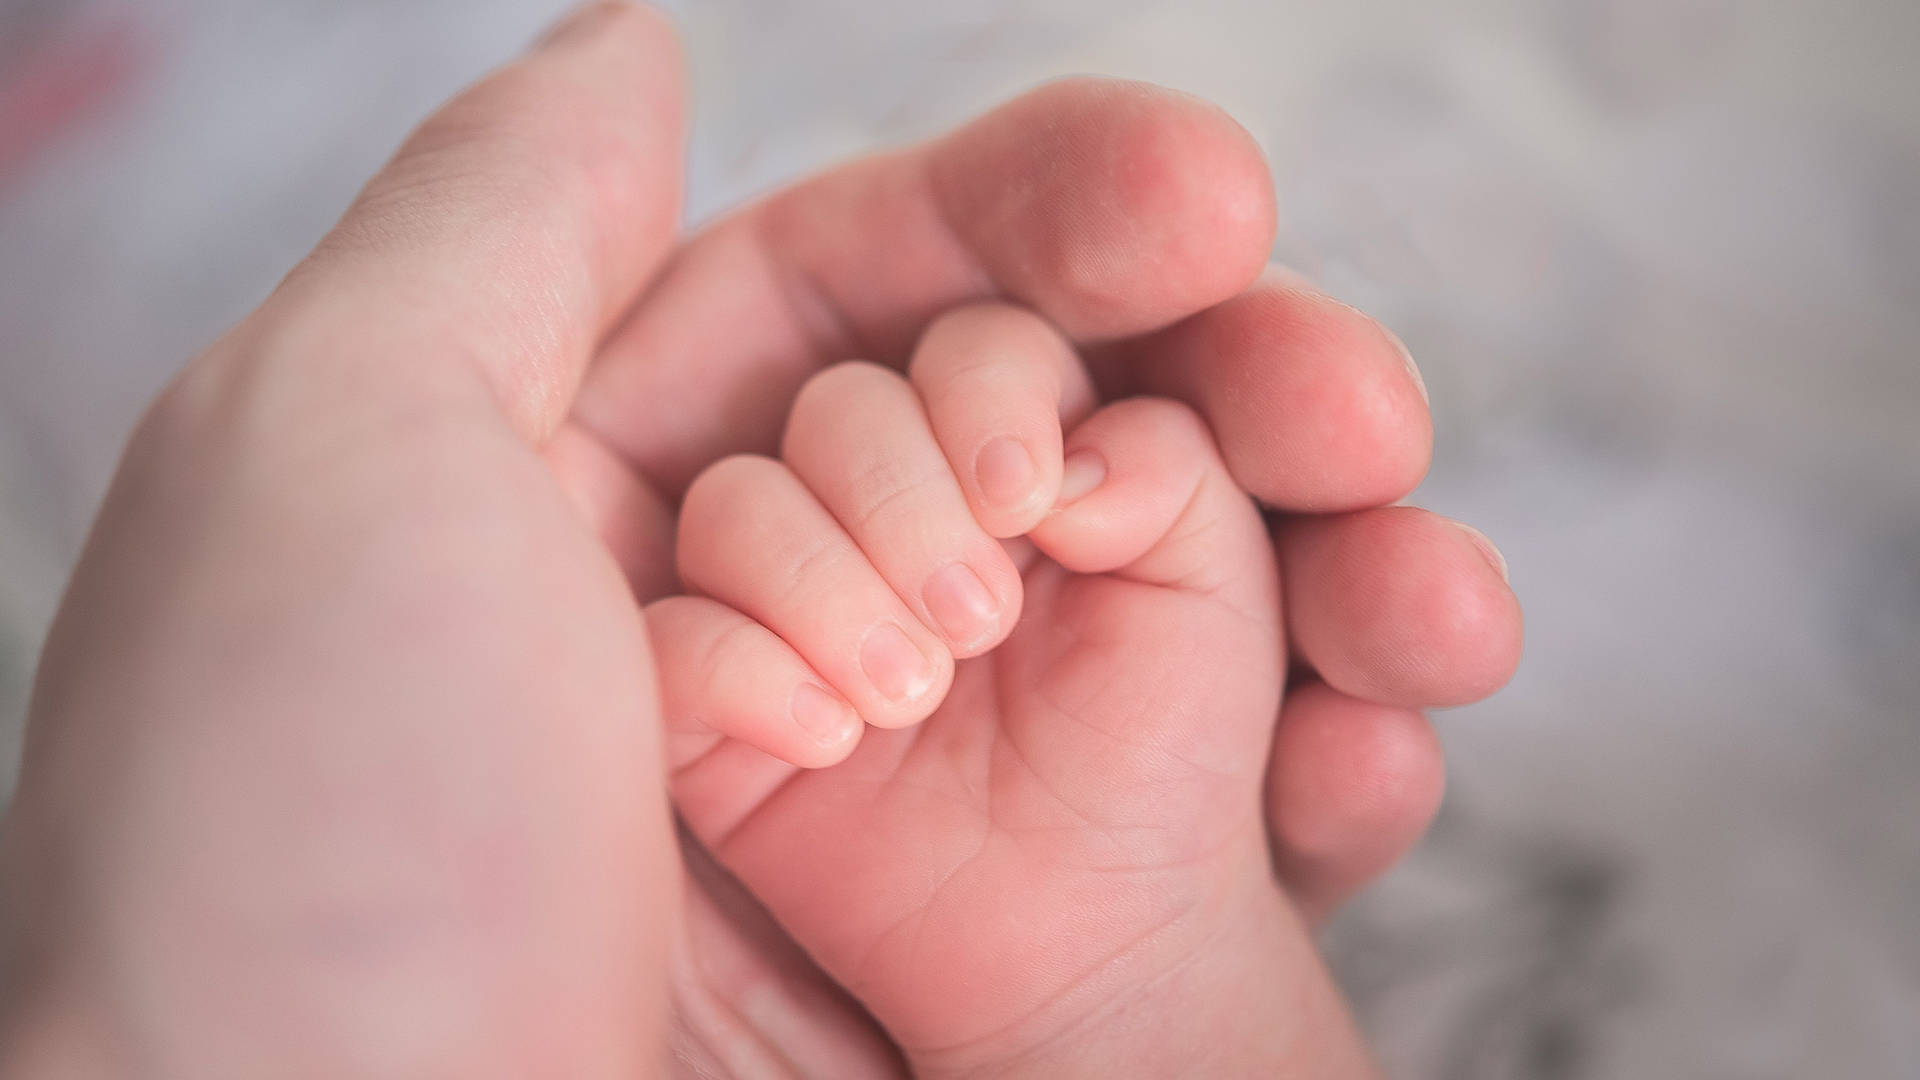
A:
[1659,259]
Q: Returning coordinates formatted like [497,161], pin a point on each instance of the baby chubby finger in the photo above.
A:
[998,382]
[754,538]
[724,675]
[859,440]
[1144,495]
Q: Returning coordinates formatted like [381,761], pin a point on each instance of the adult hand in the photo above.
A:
[343,751]
[1138,220]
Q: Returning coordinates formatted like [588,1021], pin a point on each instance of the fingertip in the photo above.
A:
[1006,479]
[1484,627]
[998,382]
[597,19]
[830,724]
[1144,495]
[1195,184]
[901,669]
[1083,470]
[1316,406]
[965,610]
[1400,606]
[724,676]
[1348,771]
[1352,787]
[1114,176]
[1012,484]
[755,537]
[1485,547]
[1126,474]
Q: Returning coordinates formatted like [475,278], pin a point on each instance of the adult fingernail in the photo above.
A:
[1291,277]
[582,20]
[822,716]
[1083,471]
[893,664]
[960,603]
[1004,470]
[1487,550]
[1413,369]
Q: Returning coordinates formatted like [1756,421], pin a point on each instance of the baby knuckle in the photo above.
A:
[726,485]
[827,398]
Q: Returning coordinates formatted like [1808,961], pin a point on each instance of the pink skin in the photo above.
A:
[352,657]
[1039,875]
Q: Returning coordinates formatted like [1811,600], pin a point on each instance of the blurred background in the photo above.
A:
[1659,261]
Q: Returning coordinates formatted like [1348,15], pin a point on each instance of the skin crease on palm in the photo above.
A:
[344,757]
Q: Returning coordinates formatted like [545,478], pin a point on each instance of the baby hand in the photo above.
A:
[1057,812]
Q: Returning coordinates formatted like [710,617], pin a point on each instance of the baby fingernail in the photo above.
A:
[960,603]
[821,715]
[1082,472]
[893,664]
[1004,470]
